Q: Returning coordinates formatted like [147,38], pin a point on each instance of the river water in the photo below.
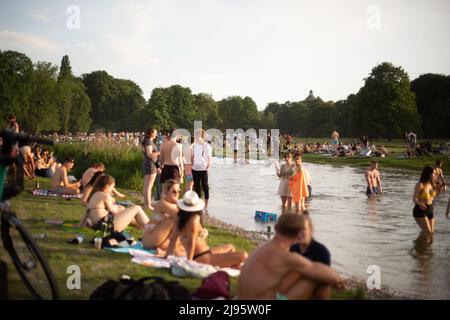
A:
[359,231]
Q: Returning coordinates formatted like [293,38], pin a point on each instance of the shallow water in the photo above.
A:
[359,231]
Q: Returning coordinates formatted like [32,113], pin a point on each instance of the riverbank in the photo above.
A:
[98,266]
[416,164]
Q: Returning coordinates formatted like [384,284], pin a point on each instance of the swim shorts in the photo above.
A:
[418,212]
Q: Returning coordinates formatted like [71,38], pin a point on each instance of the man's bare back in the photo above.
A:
[171,153]
[59,179]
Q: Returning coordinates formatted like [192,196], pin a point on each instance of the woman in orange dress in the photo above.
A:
[298,185]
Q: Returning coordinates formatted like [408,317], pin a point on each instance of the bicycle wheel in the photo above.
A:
[28,259]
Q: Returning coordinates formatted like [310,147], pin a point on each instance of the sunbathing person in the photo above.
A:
[266,272]
[193,236]
[101,208]
[158,231]
[45,165]
[87,175]
[89,187]
[60,182]
[28,162]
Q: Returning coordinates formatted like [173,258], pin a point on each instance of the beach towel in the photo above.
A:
[179,266]
[49,193]
[137,247]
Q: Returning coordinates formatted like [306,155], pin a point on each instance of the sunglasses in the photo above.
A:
[176,192]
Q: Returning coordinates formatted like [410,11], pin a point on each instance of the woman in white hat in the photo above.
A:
[190,231]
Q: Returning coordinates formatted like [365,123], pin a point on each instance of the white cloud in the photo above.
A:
[40,17]
[27,42]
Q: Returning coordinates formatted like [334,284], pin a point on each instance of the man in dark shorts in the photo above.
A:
[171,159]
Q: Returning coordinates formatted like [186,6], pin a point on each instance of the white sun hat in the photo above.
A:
[191,202]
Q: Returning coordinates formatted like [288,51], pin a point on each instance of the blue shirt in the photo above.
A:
[316,252]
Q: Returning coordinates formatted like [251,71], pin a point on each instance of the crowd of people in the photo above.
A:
[291,265]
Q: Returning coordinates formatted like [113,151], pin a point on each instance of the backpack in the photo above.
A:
[130,289]
[216,285]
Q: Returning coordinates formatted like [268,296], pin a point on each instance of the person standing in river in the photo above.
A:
[424,194]
[286,172]
[298,186]
[439,176]
[373,179]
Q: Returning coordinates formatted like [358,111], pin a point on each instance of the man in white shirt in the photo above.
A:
[235,148]
[201,162]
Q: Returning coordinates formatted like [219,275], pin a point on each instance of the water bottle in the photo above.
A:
[105,229]
[37,183]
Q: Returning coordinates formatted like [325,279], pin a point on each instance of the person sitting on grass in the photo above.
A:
[45,165]
[273,271]
[101,208]
[87,175]
[60,181]
[192,234]
[28,162]
[158,231]
[89,187]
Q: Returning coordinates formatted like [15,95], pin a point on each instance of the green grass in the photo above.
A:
[96,266]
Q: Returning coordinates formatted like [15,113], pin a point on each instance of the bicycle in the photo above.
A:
[25,254]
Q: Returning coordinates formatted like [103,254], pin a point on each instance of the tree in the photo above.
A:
[207,110]
[65,71]
[16,72]
[42,114]
[386,105]
[431,91]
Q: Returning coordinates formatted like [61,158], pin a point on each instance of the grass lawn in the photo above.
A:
[96,266]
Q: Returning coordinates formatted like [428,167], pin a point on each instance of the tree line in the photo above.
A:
[47,99]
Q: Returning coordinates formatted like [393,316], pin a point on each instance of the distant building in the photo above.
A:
[310,96]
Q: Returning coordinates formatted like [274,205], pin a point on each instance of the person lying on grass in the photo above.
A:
[192,234]
[158,231]
[101,208]
[273,271]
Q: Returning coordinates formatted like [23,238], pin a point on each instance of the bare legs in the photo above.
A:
[125,217]
[149,179]
[284,201]
[427,225]
[296,287]
[224,256]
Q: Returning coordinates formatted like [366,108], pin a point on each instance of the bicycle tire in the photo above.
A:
[28,259]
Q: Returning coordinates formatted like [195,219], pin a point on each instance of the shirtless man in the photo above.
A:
[171,159]
[373,179]
[87,175]
[60,182]
[441,185]
[334,139]
[274,272]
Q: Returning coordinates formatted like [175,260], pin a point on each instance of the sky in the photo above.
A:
[272,51]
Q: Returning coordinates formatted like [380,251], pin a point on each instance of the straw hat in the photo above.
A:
[191,202]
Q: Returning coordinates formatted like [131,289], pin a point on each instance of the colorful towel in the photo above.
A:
[49,193]
[136,247]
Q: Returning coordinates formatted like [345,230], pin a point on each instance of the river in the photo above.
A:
[359,231]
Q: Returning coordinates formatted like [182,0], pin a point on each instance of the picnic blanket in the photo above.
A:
[179,266]
[137,247]
[49,193]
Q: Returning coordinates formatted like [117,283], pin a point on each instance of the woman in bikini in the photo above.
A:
[424,193]
[192,234]
[158,231]
[101,208]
